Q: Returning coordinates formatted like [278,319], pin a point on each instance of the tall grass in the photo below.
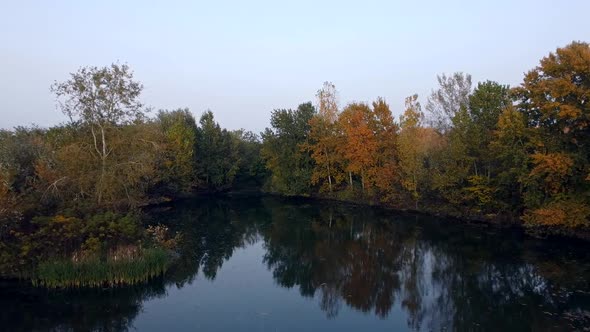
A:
[107,272]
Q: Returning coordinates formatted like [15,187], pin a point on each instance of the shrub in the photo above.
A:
[570,213]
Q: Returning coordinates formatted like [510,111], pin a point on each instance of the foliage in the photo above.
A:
[324,140]
[359,144]
[101,100]
[444,103]
[160,235]
[520,152]
[251,173]
[73,189]
[553,100]
[217,155]
[143,265]
[290,166]
[412,144]
[178,160]
[61,235]
[572,213]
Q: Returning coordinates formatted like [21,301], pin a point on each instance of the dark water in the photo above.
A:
[269,264]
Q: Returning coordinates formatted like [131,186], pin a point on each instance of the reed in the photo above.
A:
[94,272]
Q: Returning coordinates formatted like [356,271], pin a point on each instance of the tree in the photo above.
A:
[101,100]
[448,99]
[283,150]
[385,173]
[251,173]
[554,98]
[327,98]
[509,148]
[411,148]
[359,146]
[554,101]
[323,138]
[368,145]
[217,155]
[179,157]
[486,103]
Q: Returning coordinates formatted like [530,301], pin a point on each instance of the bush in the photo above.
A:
[569,213]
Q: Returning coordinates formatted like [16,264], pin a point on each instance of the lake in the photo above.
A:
[275,264]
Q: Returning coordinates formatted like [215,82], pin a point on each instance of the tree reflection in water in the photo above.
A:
[443,276]
[439,275]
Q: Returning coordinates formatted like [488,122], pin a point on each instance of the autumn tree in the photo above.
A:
[324,139]
[385,173]
[412,147]
[359,146]
[368,145]
[554,100]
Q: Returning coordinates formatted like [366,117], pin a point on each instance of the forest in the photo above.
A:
[485,151]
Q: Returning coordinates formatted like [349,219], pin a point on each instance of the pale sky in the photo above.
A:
[242,59]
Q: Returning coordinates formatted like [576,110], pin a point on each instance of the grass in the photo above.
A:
[109,272]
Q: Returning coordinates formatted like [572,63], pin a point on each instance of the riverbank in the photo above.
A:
[91,250]
[502,220]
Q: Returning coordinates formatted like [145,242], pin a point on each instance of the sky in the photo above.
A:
[242,59]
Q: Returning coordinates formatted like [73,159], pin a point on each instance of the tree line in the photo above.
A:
[485,151]
[111,155]
[488,151]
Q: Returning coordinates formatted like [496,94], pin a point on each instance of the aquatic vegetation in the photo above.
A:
[123,266]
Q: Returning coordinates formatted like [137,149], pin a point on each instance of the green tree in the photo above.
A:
[251,173]
[290,166]
[486,103]
[217,155]
[179,158]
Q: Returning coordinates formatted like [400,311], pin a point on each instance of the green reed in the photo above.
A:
[106,272]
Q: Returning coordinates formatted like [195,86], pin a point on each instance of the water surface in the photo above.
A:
[271,264]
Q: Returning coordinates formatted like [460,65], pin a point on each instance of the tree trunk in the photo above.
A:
[363,180]
[350,179]
[328,166]
[101,181]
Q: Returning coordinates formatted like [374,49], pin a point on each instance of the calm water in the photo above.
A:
[269,264]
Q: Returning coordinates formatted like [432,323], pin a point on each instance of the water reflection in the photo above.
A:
[436,275]
[24,308]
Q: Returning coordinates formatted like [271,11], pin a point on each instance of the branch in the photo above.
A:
[95,143]
[54,186]
[152,142]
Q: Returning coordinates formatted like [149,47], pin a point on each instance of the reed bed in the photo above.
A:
[96,272]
